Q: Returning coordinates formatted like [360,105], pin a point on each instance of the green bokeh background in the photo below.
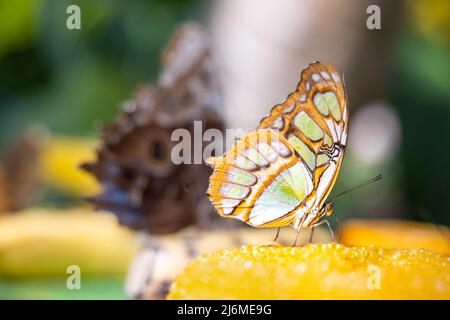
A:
[73,81]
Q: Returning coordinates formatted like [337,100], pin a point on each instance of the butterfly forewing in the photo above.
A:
[314,120]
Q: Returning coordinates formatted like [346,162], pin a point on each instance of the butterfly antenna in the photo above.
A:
[362,185]
[341,228]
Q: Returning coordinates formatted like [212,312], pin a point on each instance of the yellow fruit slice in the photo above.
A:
[158,264]
[320,271]
[397,234]
[60,164]
[45,242]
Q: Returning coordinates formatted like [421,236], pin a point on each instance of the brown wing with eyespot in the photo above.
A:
[141,184]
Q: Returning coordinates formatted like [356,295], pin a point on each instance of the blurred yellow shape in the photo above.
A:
[320,271]
[44,242]
[397,234]
[60,165]
[430,17]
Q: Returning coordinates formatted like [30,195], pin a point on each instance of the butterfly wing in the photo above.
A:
[288,166]
[141,184]
[314,120]
[260,180]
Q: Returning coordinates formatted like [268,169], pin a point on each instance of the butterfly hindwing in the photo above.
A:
[259,180]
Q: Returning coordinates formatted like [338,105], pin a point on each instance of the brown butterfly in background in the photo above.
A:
[141,184]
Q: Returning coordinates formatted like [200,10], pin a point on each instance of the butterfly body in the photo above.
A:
[282,172]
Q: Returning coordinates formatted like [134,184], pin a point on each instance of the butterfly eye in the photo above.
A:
[328,208]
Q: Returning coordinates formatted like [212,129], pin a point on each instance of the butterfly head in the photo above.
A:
[327,209]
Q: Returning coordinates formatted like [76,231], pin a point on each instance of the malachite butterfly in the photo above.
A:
[282,172]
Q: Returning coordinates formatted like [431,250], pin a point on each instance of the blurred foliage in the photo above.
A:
[16,24]
[421,91]
[55,288]
[71,79]
[415,183]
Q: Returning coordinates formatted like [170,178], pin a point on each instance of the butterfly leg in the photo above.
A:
[311,235]
[331,230]
[319,224]
[274,242]
[303,218]
[296,238]
[313,227]
[276,235]
[340,227]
